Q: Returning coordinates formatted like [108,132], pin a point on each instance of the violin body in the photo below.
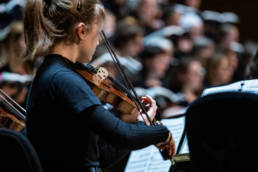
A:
[7,120]
[104,89]
[11,113]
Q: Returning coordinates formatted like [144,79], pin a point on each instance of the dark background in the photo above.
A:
[247,11]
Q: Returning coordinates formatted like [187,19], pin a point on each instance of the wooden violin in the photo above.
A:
[108,90]
[11,113]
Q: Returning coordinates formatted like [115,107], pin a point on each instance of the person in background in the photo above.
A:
[155,64]
[196,4]
[229,35]
[193,24]
[13,48]
[187,78]
[173,14]
[249,84]
[147,15]
[117,7]
[128,43]
[184,45]
[109,24]
[218,70]
[203,49]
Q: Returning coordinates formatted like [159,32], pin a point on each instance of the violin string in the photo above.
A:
[11,107]
[13,102]
[121,87]
[126,78]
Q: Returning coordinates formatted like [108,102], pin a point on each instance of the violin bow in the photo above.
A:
[12,105]
[129,83]
[124,76]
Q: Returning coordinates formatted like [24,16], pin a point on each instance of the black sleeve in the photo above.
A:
[121,134]
[110,156]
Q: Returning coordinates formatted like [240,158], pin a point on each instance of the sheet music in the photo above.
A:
[149,159]
[185,148]
[176,127]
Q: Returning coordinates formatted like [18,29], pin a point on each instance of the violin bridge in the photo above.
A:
[101,75]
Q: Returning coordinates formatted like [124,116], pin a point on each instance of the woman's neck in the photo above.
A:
[69,51]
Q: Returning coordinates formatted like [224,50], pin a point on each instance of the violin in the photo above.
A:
[111,91]
[11,114]
[7,120]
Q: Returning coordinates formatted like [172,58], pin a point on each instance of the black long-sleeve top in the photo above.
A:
[65,119]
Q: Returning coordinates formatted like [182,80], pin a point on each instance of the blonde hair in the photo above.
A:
[47,22]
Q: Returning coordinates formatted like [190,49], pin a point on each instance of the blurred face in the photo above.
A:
[194,76]
[148,11]
[223,72]
[231,36]
[109,25]
[133,47]
[174,18]
[159,64]
[197,31]
[185,45]
[18,44]
[205,53]
[88,46]
[194,3]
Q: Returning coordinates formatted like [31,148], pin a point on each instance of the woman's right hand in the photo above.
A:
[168,146]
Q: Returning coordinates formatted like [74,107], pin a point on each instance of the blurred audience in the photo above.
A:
[172,45]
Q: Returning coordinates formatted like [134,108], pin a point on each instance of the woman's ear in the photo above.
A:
[81,31]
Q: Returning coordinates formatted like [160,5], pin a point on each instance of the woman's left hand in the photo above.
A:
[151,108]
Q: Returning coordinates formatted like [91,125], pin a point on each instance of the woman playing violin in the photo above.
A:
[65,118]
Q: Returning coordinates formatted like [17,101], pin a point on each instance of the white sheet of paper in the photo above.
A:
[176,127]
[149,159]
